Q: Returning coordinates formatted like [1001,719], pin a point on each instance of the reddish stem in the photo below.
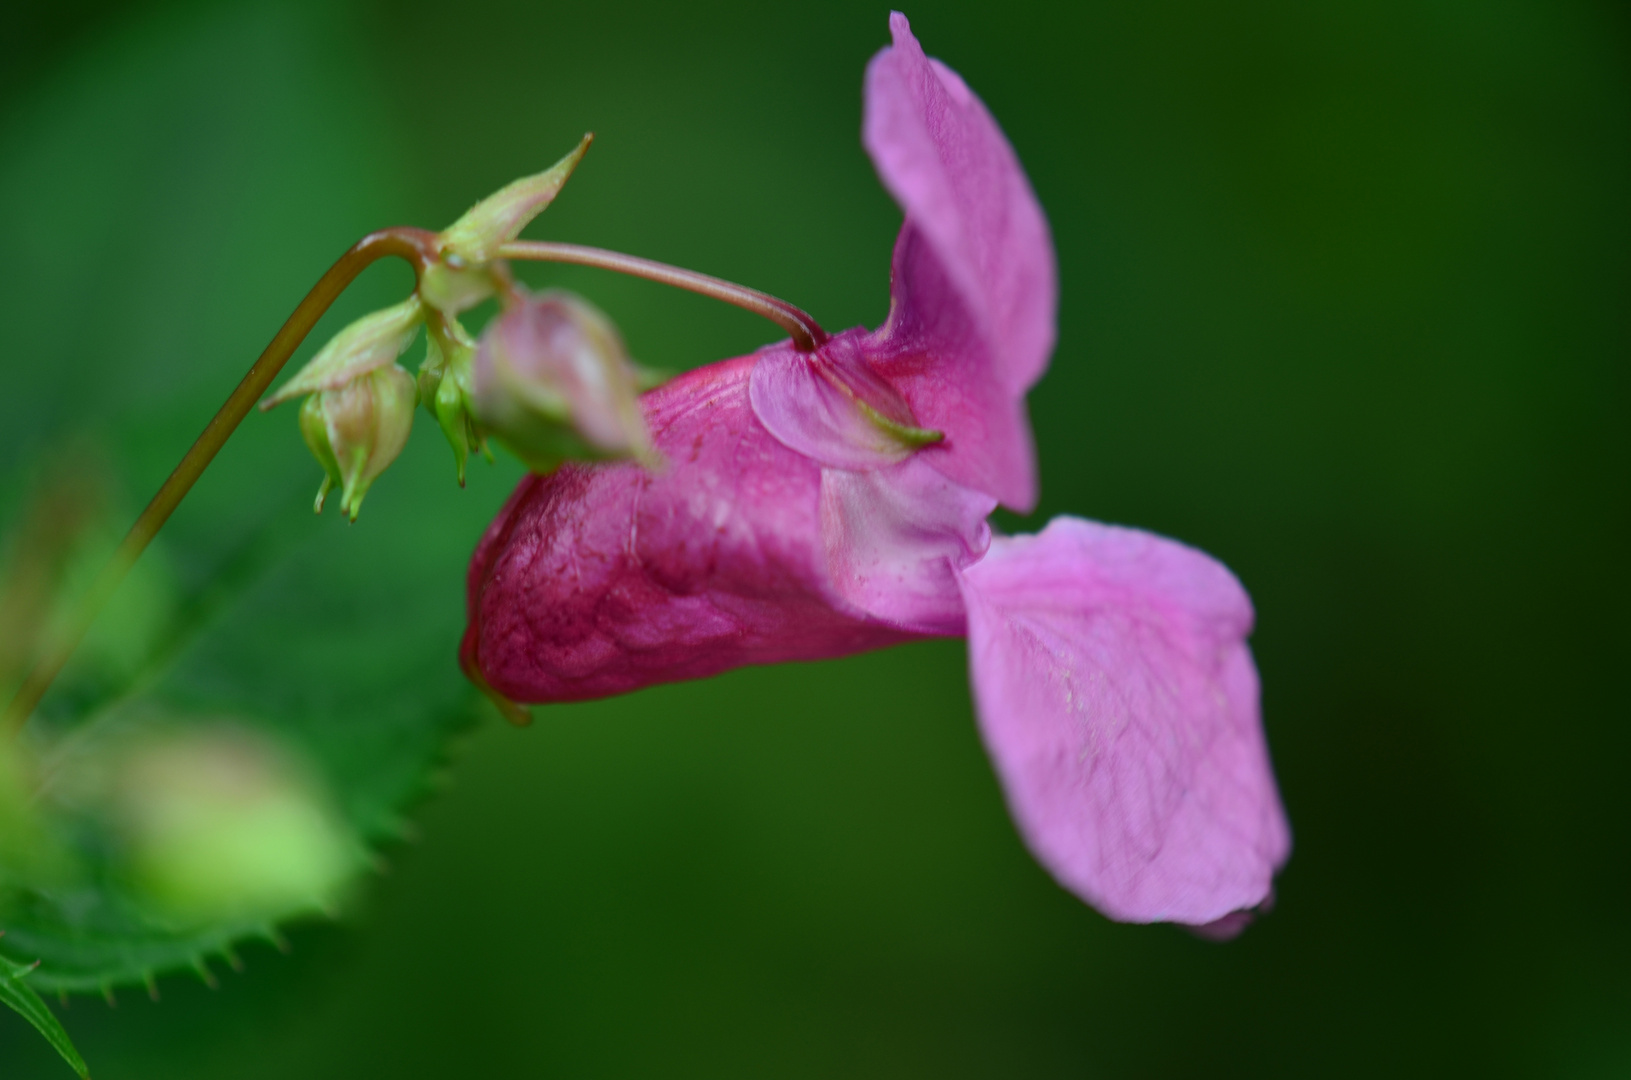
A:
[417,246]
[806,333]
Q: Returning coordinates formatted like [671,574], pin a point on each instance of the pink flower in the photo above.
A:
[818,504]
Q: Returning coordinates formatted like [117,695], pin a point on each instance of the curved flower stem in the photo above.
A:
[806,333]
[415,245]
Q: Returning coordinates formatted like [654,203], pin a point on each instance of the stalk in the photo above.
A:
[806,333]
[414,245]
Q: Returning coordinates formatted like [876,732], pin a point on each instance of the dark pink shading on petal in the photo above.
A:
[974,282]
[1119,702]
[1233,924]
[600,579]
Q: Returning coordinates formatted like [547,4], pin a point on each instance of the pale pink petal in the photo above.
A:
[599,579]
[974,281]
[896,539]
[818,403]
[1119,701]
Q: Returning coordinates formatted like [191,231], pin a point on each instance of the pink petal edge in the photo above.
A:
[948,164]
[1119,702]
[975,238]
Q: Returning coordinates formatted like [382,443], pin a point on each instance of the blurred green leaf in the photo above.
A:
[20,997]
[331,647]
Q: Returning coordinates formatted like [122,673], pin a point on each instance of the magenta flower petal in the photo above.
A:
[599,579]
[830,406]
[1119,701]
[974,282]
[931,354]
[896,539]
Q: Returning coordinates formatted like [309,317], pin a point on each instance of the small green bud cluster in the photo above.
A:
[550,378]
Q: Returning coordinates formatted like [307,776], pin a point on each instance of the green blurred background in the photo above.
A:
[1344,302]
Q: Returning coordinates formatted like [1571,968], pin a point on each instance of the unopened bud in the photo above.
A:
[475,238]
[553,381]
[444,388]
[358,429]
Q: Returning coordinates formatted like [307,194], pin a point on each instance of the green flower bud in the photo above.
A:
[553,382]
[444,388]
[356,430]
[475,238]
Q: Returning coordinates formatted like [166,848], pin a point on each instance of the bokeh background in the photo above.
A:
[1346,301]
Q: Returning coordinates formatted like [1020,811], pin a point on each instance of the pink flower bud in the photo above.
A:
[554,383]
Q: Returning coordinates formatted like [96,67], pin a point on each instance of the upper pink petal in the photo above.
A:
[599,579]
[1119,701]
[931,353]
[974,280]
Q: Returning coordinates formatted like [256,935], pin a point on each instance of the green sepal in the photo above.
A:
[454,420]
[367,345]
[914,438]
[315,432]
[476,237]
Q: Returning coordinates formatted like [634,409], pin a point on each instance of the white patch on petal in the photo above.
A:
[897,538]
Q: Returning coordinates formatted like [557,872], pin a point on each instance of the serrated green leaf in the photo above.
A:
[337,644]
[24,1001]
